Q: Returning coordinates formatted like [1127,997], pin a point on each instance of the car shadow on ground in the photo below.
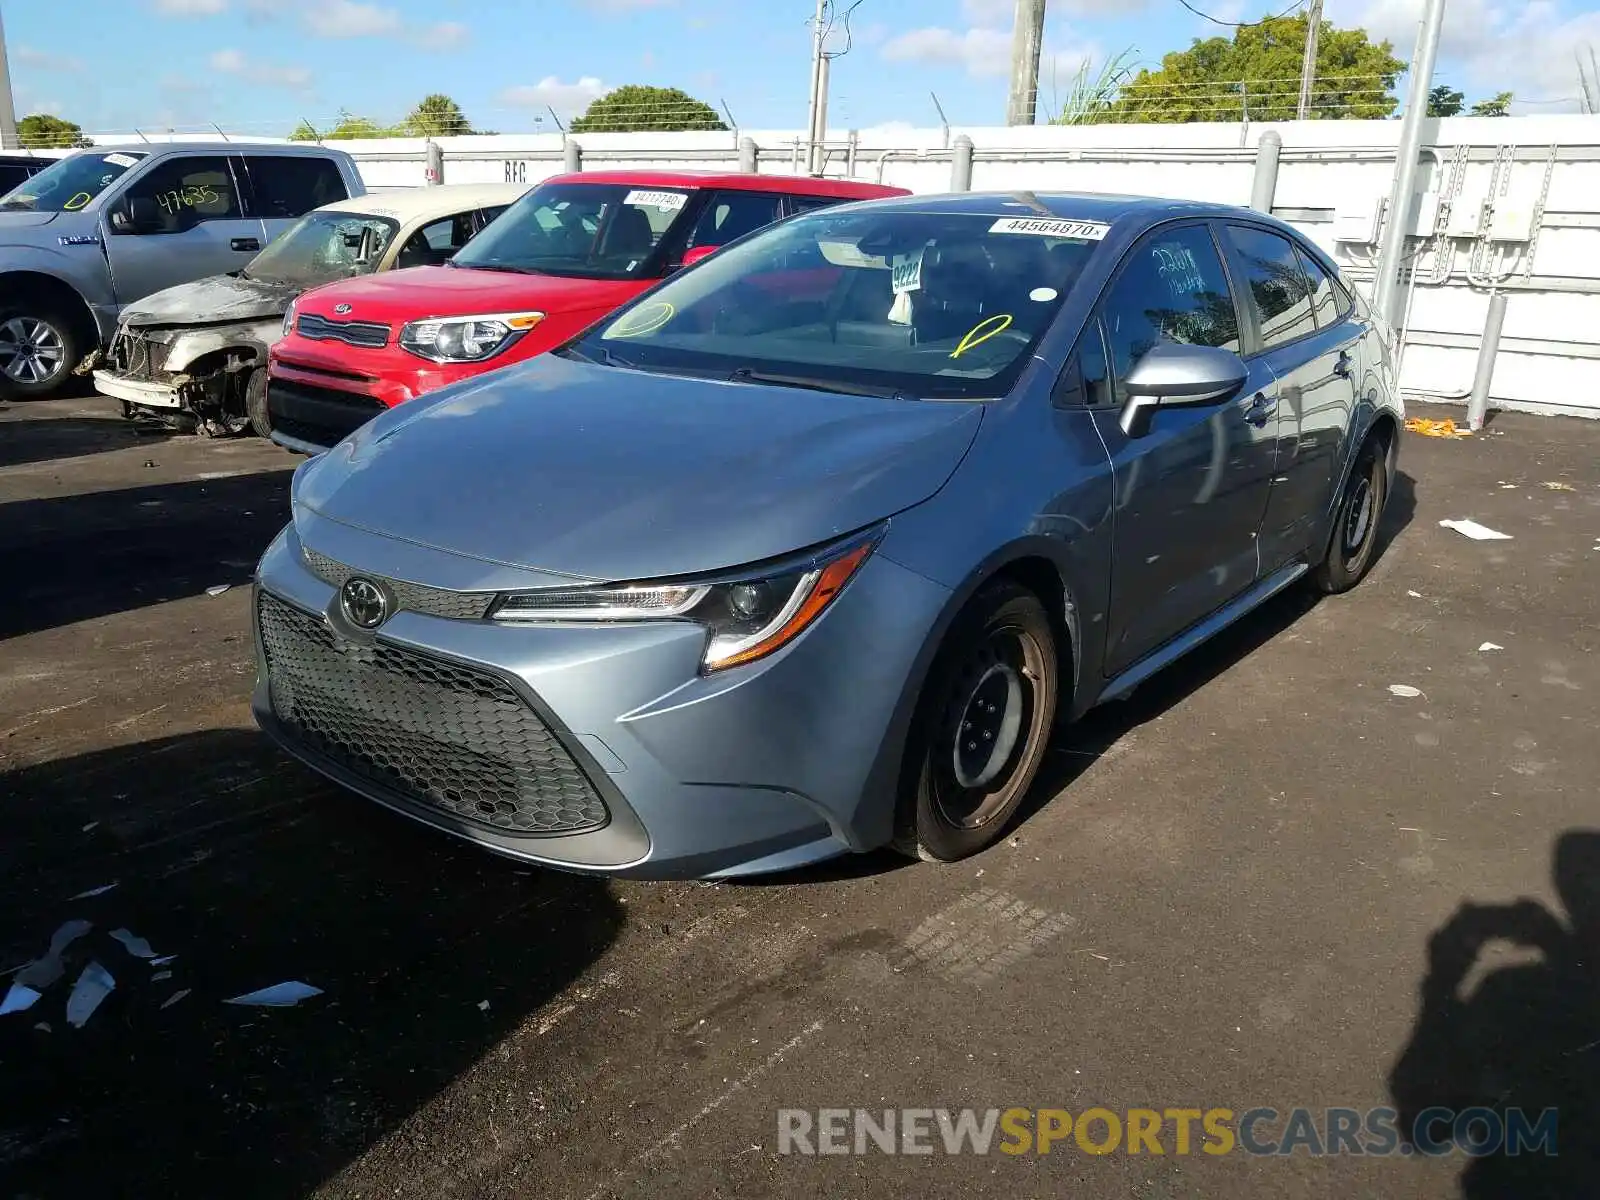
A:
[91,555]
[1075,748]
[252,872]
[34,441]
[1522,1038]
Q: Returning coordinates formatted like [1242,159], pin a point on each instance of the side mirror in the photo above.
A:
[698,254]
[1171,375]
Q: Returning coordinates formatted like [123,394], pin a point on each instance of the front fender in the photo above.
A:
[255,337]
[80,267]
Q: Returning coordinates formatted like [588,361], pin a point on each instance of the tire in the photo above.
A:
[255,403]
[1354,541]
[996,675]
[39,347]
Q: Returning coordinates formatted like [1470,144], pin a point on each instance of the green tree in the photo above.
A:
[349,126]
[1445,102]
[639,108]
[1258,71]
[1499,106]
[42,131]
[436,116]
[1090,98]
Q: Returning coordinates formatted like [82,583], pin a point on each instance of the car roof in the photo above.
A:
[410,204]
[800,185]
[1072,206]
[209,147]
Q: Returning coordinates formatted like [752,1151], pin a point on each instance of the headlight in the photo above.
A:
[746,617]
[466,339]
[288,319]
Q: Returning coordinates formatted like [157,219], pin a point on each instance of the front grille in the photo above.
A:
[449,736]
[435,602]
[319,415]
[367,334]
[136,357]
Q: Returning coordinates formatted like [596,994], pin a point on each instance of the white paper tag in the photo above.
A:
[1086,231]
[666,201]
[122,160]
[906,274]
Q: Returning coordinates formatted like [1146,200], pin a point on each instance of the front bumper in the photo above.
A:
[765,767]
[134,391]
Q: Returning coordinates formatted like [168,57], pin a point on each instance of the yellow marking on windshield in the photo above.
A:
[77,202]
[982,332]
[643,320]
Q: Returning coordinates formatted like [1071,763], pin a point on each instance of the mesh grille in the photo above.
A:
[354,333]
[455,738]
[413,597]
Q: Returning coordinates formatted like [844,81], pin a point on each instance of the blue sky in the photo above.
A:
[259,66]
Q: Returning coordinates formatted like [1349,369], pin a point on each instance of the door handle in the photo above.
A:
[245,243]
[1342,367]
[1261,410]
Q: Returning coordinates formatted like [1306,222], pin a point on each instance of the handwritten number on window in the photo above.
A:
[188,196]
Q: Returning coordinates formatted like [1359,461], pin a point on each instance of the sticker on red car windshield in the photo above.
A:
[1083,231]
[666,201]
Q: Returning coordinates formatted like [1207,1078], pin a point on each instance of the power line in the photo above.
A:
[1298,4]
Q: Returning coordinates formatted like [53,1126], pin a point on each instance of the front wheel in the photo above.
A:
[255,403]
[981,726]
[1354,544]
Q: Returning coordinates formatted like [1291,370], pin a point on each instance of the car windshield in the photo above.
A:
[72,183]
[324,246]
[589,230]
[936,305]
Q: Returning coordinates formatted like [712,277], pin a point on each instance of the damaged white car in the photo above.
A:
[194,357]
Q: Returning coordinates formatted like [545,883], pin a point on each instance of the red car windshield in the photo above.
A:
[587,230]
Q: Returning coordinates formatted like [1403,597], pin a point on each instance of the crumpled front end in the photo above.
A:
[192,378]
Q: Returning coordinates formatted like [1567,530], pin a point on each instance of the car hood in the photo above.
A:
[22,219]
[419,292]
[213,301]
[608,474]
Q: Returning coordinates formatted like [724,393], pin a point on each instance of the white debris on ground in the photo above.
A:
[93,986]
[1487,646]
[279,995]
[1475,531]
[1404,690]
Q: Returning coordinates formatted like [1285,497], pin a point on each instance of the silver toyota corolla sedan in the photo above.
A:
[809,549]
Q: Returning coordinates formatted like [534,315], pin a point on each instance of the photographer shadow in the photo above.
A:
[1526,1037]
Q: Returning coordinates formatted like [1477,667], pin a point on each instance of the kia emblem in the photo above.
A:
[341,309]
[364,603]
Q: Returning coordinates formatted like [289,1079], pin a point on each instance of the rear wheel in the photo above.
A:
[981,726]
[38,348]
[255,403]
[1355,523]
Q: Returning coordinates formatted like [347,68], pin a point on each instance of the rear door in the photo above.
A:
[1190,493]
[1311,349]
[285,187]
[202,227]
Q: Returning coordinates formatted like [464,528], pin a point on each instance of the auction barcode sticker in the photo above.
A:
[664,200]
[1087,231]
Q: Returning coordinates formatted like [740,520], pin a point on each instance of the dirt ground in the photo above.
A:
[1227,892]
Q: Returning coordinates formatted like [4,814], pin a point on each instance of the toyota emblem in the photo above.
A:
[364,603]
[341,309]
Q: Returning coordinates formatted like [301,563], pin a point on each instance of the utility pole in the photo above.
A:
[1385,292]
[1308,67]
[8,111]
[1027,39]
[818,101]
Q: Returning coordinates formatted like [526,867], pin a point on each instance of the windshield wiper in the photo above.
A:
[505,267]
[17,206]
[812,383]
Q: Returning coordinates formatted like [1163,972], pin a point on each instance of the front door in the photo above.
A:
[199,227]
[1191,492]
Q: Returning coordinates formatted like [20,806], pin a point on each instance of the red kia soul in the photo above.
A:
[556,261]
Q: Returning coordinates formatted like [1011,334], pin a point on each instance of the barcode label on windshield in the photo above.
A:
[1084,231]
[670,201]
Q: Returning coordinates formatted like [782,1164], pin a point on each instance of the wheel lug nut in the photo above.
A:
[972,745]
[987,736]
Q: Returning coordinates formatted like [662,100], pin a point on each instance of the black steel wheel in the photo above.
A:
[1354,544]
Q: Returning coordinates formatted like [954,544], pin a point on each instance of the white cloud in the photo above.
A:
[983,52]
[191,8]
[624,6]
[349,19]
[234,62]
[29,57]
[550,92]
[446,35]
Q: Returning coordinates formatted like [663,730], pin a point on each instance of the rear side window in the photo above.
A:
[1277,286]
[1324,303]
[435,242]
[292,185]
[1171,289]
[730,215]
[801,204]
[184,192]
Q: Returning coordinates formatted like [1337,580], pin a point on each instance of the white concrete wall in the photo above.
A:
[1332,172]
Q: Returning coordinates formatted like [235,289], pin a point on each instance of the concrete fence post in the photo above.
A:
[961,164]
[572,156]
[749,156]
[1265,184]
[434,175]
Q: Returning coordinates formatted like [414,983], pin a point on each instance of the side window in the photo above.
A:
[1324,304]
[292,185]
[184,192]
[1087,380]
[485,215]
[1278,287]
[1171,289]
[435,242]
[731,215]
[804,204]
